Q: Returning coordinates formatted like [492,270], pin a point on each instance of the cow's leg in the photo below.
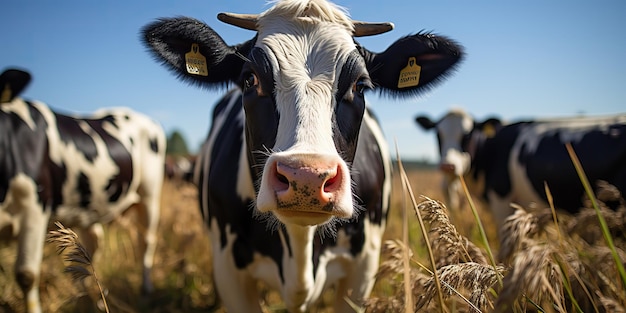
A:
[358,284]
[91,238]
[148,218]
[236,288]
[33,224]
[31,238]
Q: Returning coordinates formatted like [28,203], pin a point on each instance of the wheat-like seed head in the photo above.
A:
[80,261]
[475,278]
[449,247]
[66,241]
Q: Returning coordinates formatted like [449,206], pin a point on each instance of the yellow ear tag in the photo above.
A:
[196,62]
[6,94]
[489,130]
[410,75]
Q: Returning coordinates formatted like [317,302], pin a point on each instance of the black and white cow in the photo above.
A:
[294,154]
[79,171]
[510,163]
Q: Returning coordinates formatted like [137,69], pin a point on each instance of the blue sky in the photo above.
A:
[532,58]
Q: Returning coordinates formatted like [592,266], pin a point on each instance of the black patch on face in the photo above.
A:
[349,112]
[260,109]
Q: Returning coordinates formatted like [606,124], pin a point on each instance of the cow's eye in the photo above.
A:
[251,81]
[360,86]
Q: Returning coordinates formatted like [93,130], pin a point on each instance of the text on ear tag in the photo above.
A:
[410,75]
[196,62]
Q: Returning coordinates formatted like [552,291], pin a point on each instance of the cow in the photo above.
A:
[179,168]
[294,176]
[509,163]
[81,171]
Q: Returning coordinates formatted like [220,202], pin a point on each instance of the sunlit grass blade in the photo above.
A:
[481,229]
[408,304]
[603,225]
[407,184]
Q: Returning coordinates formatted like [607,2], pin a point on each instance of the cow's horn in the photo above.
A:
[362,29]
[245,21]
[248,21]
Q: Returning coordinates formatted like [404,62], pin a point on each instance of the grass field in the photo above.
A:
[182,271]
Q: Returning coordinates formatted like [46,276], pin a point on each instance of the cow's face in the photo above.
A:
[460,139]
[311,76]
[453,136]
[303,79]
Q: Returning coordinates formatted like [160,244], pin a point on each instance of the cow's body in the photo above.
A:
[289,196]
[510,163]
[258,251]
[79,171]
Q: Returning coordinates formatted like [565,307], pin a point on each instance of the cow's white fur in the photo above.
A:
[307,54]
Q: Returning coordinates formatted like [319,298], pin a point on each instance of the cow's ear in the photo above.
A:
[425,122]
[194,51]
[490,126]
[413,64]
[12,83]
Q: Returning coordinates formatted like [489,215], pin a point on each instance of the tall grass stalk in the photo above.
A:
[481,229]
[77,256]
[568,284]
[605,229]
[553,210]
[408,304]
[450,287]
[407,185]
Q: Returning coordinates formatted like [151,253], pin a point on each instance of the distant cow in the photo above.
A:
[294,177]
[510,163]
[79,171]
[179,169]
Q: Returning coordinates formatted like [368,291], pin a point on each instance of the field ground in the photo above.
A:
[182,271]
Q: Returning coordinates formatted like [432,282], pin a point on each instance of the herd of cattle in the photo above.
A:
[294,176]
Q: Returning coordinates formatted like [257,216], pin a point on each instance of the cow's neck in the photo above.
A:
[477,147]
[298,262]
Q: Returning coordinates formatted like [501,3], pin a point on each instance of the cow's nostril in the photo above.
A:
[329,184]
[281,178]
[333,183]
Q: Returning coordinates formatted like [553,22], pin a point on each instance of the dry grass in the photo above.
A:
[79,261]
[547,266]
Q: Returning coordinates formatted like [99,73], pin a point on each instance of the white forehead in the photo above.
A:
[305,40]
[307,43]
[455,124]
[313,11]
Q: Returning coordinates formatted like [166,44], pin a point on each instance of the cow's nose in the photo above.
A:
[447,168]
[306,185]
[305,188]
